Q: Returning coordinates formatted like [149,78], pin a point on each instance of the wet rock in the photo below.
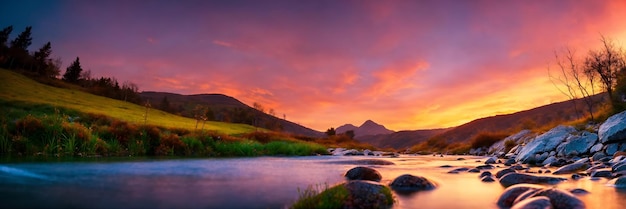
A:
[618,174]
[605,172]
[576,176]
[619,153]
[485,173]
[572,168]
[577,144]
[533,203]
[596,148]
[458,170]
[487,179]
[561,199]
[619,182]
[611,149]
[445,166]
[597,156]
[491,160]
[503,172]
[474,170]
[484,167]
[545,142]
[520,178]
[509,162]
[460,158]
[365,162]
[619,167]
[579,191]
[363,173]
[367,194]
[409,183]
[549,160]
[511,193]
[613,129]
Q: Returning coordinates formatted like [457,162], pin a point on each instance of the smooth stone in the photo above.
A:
[485,173]
[503,172]
[445,166]
[365,162]
[619,182]
[576,176]
[491,160]
[366,194]
[460,158]
[509,162]
[363,173]
[533,203]
[611,149]
[549,160]
[544,143]
[561,199]
[409,183]
[579,191]
[577,144]
[487,179]
[520,178]
[457,170]
[597,156]
[619,167]
[517,167]
[596,148]
[485,167]
[511,193]
[474,170]
[605,172]
[571,168]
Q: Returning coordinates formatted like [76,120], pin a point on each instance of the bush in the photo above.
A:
[123,131]
[313,197]
[486,139]
[508,145]
[170,145]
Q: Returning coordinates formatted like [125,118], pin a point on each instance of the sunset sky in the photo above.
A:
[405,64]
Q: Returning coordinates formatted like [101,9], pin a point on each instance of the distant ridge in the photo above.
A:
[220,102]
[369,127]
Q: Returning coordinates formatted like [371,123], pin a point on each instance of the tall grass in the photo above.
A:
[5,140]
[319,196]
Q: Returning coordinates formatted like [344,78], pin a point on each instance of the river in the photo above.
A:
[263,182]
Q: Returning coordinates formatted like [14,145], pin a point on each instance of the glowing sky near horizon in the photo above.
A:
[405,64]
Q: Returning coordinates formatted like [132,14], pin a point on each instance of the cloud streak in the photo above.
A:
[408,65]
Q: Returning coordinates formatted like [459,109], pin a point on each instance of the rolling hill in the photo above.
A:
[222,106]
[400,139]
[15,87]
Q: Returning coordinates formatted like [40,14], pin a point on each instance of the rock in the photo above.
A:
[517,138]
[409,183]
[611,149]
[579,191]
[474,170]
[545,142]
[577,144]
[458,170]
[541,157]
[576,176]
[619,167]
[619,182]
[619,153]
[596,148]
[483,167]
[509,195]
[363,173]
[561,199]
[365,162]
[485,173]
[445,166]
[613,129]
[503,172]
[491,160]
[367,194]
[460,158]
[509,162]
[572,168]
[549,160]
[597,156]
[487,179]
[520,178]
[605,172]
[533,203]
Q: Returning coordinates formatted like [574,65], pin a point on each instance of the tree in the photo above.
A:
[606,63]
[73,72]
[41,59]
[578,82]
[331,131]
[165,105]
[350,133]
[23,41]
[4,36]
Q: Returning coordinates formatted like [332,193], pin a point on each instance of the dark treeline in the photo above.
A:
[39,65]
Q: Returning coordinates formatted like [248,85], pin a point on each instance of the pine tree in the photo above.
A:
[41,59]
[4,35]
[72,73]
[23,40]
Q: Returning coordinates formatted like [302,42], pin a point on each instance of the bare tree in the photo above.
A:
[576,80]
[606,63]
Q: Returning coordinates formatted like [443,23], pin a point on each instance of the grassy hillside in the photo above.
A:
[16,87]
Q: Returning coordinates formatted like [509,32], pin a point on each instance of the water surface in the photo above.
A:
[264,182]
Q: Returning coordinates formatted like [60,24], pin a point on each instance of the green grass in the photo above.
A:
[317,197]
[15,87]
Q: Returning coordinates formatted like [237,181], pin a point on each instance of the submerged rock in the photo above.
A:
[561,199]
[507,198]
[363,173]
[487,179]
[533,203]
[503,172]
[520,178]
[409,183]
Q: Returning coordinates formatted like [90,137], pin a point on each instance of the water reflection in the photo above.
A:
[265,182]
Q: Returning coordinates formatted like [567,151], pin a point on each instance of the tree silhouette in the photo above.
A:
[73,72]
[4,36]
[23,40]
[607,62]
[165,105]
[41,58]
[331,131]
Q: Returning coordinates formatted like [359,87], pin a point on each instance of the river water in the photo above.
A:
[263,182]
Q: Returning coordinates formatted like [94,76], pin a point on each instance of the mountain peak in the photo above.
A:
[369,127]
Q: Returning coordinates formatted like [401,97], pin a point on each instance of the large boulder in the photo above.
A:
[577,144]
[572,168]
[533,203]
[519,137]
[507,198]
[544,143]
[353,194]
[613,129]
[521,178]
[363,173]
[409,183]
[619,182]
[561,199]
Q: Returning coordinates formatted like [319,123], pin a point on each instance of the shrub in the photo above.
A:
[193,146]
[170,145]
[486,139]
[123,131]
[508,145]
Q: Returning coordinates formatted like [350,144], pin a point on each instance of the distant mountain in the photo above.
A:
[224,108]
[366,129]
[400,139]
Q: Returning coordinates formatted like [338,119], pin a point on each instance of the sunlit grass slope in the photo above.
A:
[16,87]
